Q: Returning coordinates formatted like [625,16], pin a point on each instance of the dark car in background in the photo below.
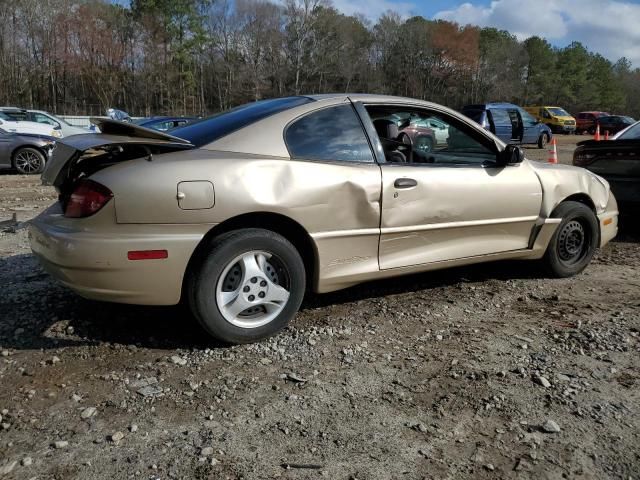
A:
[614,123]
[510,123]
[618,161]
[586,121]
[24,152]
[164,123]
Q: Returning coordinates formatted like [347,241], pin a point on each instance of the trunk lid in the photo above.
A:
[78,156]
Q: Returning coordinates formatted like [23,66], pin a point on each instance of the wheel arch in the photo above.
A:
[275,222]
[580,198]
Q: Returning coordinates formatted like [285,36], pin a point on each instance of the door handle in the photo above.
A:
[405,183]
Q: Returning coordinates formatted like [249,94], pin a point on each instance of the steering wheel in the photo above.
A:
[405,139]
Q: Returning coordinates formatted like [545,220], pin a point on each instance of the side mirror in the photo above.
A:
[511,155]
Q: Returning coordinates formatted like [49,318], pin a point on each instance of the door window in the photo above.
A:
[528,119]
[500,117]
[408,136]
[333,133]
[38,117]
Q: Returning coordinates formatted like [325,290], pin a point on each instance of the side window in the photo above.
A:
[527,118]
[500,117]
[333,133]
[38,117]
[408,137]
[545,114]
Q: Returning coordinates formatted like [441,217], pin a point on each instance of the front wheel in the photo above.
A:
[574,242]
[28,161]
[248,286]
[543,140]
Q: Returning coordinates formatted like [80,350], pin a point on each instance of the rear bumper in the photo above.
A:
[90,256]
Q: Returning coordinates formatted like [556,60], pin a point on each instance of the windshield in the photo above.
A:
[558,112]
[217,126]
[631,133]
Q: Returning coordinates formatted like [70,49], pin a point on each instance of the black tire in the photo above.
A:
[543,140]
[28,161]
[574,242]
[205,279]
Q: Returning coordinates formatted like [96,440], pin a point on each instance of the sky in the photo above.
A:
[608,27]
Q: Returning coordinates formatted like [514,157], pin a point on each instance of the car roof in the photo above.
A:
[12,109]
[492,105]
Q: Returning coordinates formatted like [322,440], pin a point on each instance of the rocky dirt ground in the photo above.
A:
[483,372]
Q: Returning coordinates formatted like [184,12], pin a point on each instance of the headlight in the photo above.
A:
[56,133]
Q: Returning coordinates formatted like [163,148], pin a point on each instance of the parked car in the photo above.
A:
[439,129]
[586,121]
[26,153]
[509,123]
[556,118]
[164,123]
[614,123]
[10,125]
[239,213]
[616,160]
[39,116]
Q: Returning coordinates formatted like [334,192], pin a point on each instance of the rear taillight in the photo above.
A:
[87,198]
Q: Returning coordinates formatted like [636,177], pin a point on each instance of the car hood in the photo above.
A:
[48,138]
[562,181]
[69,151]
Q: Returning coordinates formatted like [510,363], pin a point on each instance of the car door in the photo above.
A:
[455,202]
[500,123]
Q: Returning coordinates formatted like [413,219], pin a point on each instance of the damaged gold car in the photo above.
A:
[239,213]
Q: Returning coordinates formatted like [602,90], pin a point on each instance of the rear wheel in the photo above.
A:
[574,241]
[28,161]
[248,286]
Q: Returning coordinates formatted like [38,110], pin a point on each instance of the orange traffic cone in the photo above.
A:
[553,152]
[606,134]
[597,136]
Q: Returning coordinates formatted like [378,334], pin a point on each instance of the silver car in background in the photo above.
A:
[26,153]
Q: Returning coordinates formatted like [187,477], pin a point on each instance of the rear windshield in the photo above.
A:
[212,128]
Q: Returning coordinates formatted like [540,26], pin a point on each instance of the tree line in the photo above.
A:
[194,57]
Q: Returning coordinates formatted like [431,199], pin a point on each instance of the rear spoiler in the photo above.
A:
[69,150]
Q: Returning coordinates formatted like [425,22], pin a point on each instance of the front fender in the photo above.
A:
[560,182]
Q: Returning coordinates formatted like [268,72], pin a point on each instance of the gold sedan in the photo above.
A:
[240,213]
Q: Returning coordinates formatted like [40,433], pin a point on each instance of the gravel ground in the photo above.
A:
[488,371]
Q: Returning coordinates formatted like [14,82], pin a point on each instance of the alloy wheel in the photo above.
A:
[253,289]
[28,161]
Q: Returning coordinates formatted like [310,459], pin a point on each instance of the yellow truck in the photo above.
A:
[558,120]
